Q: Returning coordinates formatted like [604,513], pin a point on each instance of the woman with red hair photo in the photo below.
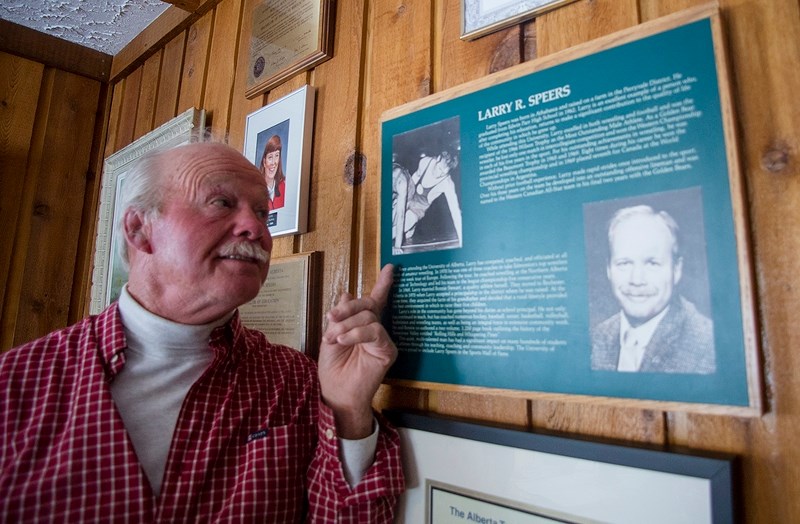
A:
[273,172]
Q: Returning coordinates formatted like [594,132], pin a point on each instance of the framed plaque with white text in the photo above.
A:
[574,228]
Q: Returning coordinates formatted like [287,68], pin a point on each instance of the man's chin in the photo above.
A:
[639,316]
[243,290]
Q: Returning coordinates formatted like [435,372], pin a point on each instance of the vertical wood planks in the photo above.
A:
[221,68]
[650,9]
[579,22]
[59,155]
[115,115]
[19,96]
[400,72]
[240,105]
[146,107]
[195,61]
[335,149]
[170,82]
[84,265]
[457,61]
[599,420]
[129,106]
[762,43]
[389,52]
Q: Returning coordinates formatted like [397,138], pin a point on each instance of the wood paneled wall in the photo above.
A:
[49,134]
[386,53]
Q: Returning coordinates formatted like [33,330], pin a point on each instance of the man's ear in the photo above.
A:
[137,230]
[677,271]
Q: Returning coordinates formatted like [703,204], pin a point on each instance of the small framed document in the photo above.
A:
[481,17]
[287,307]
[286,37]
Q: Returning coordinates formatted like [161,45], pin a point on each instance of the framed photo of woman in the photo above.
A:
[278,141]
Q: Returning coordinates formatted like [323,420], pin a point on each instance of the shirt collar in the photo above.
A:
[225,339]
[111,342]
[644,332]
[229,337]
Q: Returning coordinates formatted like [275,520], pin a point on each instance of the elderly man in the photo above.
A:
[657,330]
[165,408]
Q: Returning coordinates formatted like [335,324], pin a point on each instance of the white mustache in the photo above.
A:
[245,250]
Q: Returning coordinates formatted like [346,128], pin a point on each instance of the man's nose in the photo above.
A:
[637,274]
[250,224]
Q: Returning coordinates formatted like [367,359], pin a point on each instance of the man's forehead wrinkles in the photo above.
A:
[218,177]
[211,161]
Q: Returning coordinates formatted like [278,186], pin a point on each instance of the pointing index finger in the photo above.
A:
[380,293]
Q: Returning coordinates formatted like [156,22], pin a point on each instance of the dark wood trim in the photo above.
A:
[54,52]
[84,263]
[187,5]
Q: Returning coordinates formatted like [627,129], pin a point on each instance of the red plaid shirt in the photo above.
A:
[253,441]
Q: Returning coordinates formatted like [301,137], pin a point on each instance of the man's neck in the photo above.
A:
[644,326]
[155,331]
[160,312]
[158,300]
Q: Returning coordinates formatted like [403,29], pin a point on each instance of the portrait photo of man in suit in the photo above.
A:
[656,328]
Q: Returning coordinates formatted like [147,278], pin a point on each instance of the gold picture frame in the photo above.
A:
[287,308]
[286,38]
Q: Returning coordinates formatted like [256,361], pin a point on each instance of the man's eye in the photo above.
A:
[221,202]
[262,214]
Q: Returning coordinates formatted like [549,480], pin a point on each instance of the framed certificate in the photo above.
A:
[464,472]
[286,37]
[287,307]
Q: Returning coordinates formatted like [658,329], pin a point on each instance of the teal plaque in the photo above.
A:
[571,230]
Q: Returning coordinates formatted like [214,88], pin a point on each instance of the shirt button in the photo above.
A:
[329,433]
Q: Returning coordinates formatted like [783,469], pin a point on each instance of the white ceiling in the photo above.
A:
[103,25]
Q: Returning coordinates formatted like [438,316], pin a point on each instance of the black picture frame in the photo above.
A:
[502,446]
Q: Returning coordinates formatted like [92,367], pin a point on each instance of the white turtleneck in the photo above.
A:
[162,361]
